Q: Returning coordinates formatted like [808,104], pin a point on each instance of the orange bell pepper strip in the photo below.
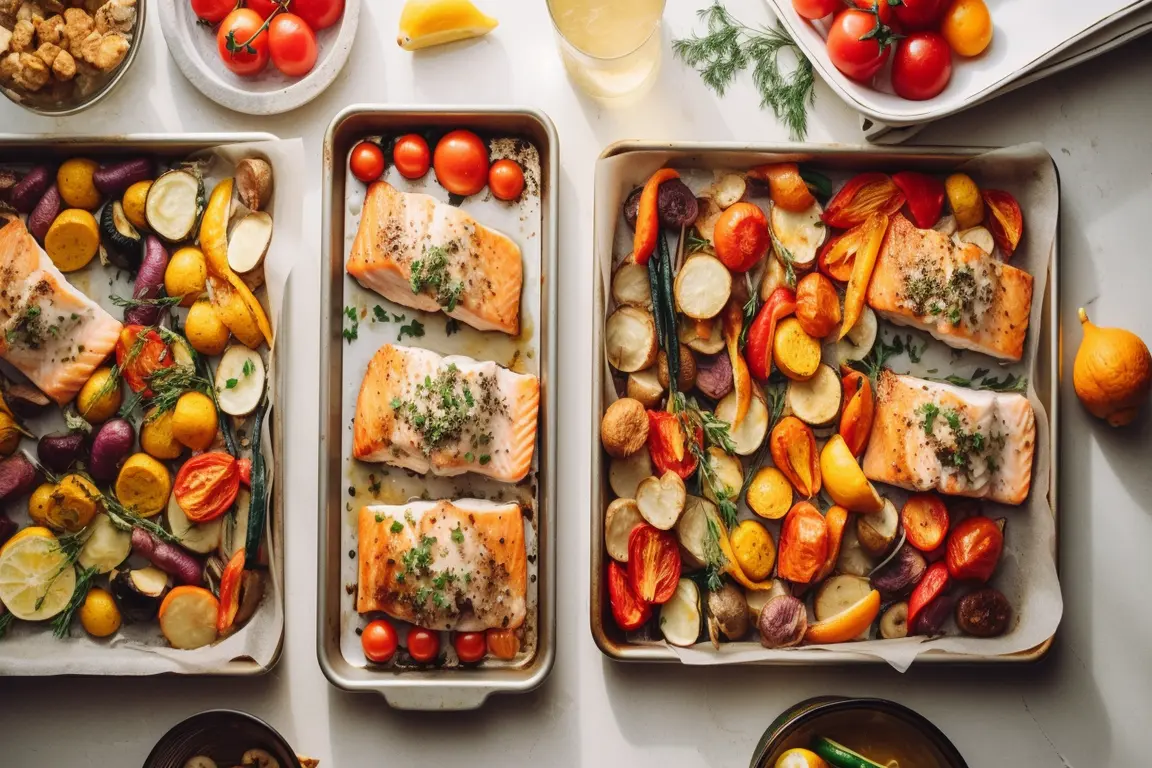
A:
[872,238]
[862,196]
[648,215]
[785,186]
[780,304]
[836,519]
[230,581]
[859,410]
[741,377]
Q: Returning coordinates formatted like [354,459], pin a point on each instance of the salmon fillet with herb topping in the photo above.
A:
[929,435]
[448,565]
[49,331]
[961,295]
[421,253]
[446,415]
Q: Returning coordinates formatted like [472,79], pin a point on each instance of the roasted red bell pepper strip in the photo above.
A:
[862,196]
[923,195]
[779,305]
[230,582]
[245,466]
[932,584]
[666,444]
[629,611]
[871,239]
[648,215]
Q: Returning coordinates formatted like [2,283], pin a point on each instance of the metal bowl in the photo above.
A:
[848,721]
[51,107]
[223,735]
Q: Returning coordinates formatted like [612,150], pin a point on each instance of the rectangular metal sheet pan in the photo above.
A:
[607,636]
[24,149]
[427,688]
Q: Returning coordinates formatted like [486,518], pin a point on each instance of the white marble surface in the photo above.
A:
[1088,705]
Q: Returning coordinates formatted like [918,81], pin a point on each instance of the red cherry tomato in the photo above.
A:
[411,156]
[379,641]
[854,47]
[461,162]
[242,42]
[366,161]
[883,8]
[264,7]
[423,645]
[319,14]
[915,15]
[292,44]
[816,9]
[470,646]
[506,179]
[922,66]
[212,11]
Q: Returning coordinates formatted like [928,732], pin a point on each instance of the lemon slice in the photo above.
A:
[425,23]
[32,530]
[34,570]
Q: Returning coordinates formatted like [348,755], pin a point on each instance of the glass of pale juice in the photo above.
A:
[611,48]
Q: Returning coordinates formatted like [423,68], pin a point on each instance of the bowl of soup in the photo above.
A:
[834,731]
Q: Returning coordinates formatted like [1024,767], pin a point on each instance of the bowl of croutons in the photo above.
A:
[58,57]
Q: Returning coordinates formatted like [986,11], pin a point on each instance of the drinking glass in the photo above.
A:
[611,48]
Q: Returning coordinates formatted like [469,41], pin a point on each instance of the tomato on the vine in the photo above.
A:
[242,42]
[411,156]
[815,9]
[858,44]
[882,8]
[366,161]
[423,645]
[470,646]
[378,641]
[292,44]
[319,14]
[212,11]
[266,7]
[916,15]
[922,66]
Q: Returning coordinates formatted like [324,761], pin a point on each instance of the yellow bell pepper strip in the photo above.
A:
[214,244]
[871,239]
[741,377]
[648,216]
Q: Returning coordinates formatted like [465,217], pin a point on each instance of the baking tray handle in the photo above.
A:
[429,699]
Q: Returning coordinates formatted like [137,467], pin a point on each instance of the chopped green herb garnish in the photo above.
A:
[379,315]
[231,383]
[396,526]
[415,329]
[351,333]
[458,534]
[484,459]
[429,274]
[379,517]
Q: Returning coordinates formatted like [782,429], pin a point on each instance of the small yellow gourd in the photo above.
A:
[72,240]
[1112,373]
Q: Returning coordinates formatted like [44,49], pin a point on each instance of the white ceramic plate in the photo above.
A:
[193,47]
[1025,32]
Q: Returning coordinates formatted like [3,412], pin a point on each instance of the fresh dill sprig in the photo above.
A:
[63,621]
[729,47]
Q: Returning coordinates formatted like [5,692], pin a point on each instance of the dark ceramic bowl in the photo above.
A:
[849,721]
[223,735]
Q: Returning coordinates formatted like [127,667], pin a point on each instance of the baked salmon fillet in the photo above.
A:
[447,565]
[416,251]
[928,435]
[959,294]
[445,415]
[51,332]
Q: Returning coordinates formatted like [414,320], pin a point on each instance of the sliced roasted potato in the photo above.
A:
[977,236]
[853,559]
[703,286]
[729,189]
[630,286]
[860,339]
[624,475]
[748,436]
[877,531]
[661,499]
[795,353]
[817,400]
[774,277]
[239,380]
[630,339]
[622,516]
[729,473]
[692,529]
[706,218]
[680,616]
[645,386]
[838,594]
[248,242]
[703,336]
[801,233]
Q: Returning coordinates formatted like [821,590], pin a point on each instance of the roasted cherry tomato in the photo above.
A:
[319,14]
[212,11]
[816,9]
[411,156]
[974,548]
[967,26]
[367,161]
[461,162]
[378,641]
[741,236]
[470,646]
[858,44]
[919,14]
[503,643]
[242,42]
[506,179]
[922,66]
[423,645]
[140,353]
[292,44]
[206,486]
[263,7]
[629,611]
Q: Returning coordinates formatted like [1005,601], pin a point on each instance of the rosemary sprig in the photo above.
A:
[786,258]
[63,621]
[694,243]
[126,519]
[723,494]
[169,384]
[70,545]
[752,306]
[981,380]
[164,302]
[729,47]
[714,559]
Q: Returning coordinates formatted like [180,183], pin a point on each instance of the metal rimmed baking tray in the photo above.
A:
[30,148]
[606,635]
[431,688]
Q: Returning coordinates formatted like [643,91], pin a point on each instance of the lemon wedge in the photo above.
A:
[36,579]
[845,481]
[425,23]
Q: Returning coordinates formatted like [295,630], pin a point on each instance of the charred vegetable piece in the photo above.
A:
[120,236]
[985,613]
[139,591]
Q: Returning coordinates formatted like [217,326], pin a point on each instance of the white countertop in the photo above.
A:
[1088,705]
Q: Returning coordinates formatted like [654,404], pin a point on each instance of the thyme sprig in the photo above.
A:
[729,47]
[716,433]
[164,302]
[786,258]
[714,559]
[126,519]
